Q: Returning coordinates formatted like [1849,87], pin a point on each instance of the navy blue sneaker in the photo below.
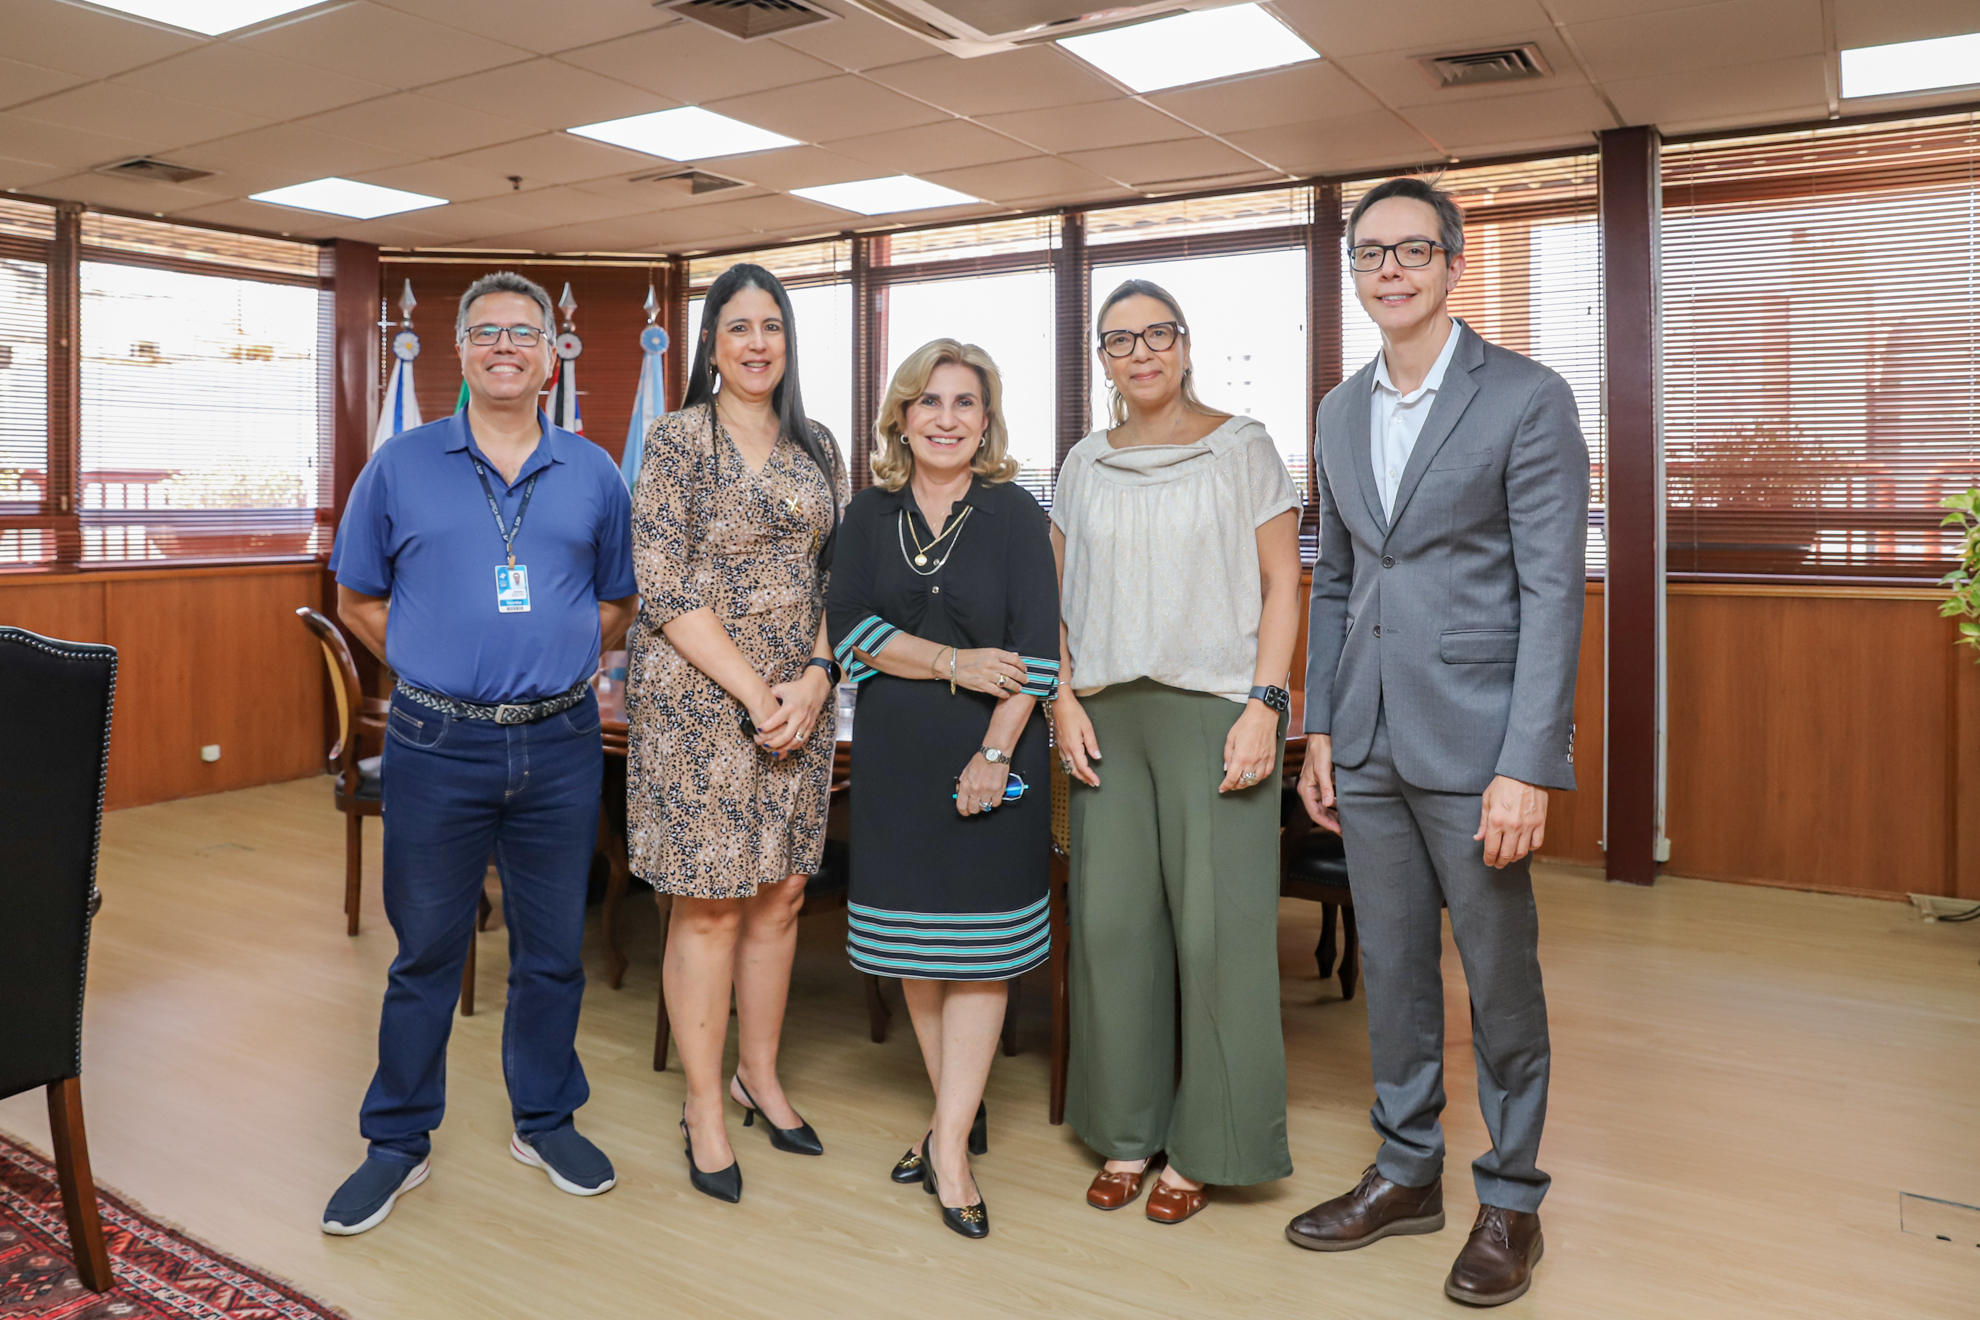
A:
[367,1195]
[573,1163]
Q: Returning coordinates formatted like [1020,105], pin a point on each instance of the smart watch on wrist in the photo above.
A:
[831,667]
[1275,697]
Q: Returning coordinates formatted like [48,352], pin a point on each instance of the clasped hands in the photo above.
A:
[1512,816]
[786,713]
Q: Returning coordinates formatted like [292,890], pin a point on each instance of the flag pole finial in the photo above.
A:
[407,302]
[652,303]
[568,305]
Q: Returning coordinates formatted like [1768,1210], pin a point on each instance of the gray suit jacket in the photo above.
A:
[1461,615]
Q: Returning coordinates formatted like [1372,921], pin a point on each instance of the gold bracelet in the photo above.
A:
[952,671]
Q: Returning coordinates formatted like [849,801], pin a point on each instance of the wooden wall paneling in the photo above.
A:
[1807,739]
[64,607]
[1574,820]
[1963,760]
[355,290]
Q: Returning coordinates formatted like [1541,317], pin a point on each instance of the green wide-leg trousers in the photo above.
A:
[1176,886]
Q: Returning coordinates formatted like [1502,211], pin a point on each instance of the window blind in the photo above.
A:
[1821,347]
[1532,283]
[25,231]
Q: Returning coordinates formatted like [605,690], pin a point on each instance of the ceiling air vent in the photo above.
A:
[746,20]
[152,171]
[694,182]
[1468,68]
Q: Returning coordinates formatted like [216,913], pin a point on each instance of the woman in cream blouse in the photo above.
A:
[1176,532]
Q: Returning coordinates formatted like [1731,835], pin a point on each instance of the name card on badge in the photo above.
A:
[512,589]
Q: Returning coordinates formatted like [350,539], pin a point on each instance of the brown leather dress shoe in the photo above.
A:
[1112,1190]
[1497,1262]
[1375,1209]
[1169,1204]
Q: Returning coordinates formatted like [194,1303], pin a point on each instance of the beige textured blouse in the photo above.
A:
[1162,575]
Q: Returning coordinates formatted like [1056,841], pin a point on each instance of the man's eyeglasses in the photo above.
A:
[1411,254]
[522,336]
[1160,336]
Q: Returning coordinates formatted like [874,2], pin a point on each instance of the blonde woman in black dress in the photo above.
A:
[944,607]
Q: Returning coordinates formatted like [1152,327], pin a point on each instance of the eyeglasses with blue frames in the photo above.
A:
[1014,788]
[1410,254]
[1159,337]
[522,336]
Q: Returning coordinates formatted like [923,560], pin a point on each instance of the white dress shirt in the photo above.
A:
[1395,419]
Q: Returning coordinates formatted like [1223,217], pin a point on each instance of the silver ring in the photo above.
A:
[1247,777]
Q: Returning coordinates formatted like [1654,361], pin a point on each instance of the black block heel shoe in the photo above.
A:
[800,1140]
[972,1221]
[907,1169]
[723,1184]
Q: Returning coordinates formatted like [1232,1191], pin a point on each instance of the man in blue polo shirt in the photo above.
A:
[487,558]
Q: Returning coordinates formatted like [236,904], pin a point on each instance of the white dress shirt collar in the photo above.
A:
[1431,381]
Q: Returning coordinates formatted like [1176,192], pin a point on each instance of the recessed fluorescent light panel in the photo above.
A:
[1192,48]
[360,201]
[689,133]
[209,17]
[1911,66]
[901,192]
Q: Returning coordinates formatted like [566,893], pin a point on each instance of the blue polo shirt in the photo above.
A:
[418,529]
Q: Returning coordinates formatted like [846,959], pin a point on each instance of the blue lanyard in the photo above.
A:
[508,534]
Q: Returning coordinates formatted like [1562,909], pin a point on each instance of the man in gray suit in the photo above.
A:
[1445,635]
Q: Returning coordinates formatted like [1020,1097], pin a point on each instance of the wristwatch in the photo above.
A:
[831,668]
[1275,697]
[993,756]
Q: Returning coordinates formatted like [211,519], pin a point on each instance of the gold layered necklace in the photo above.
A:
[919,558]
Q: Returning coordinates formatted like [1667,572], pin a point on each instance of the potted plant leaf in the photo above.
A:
[1964,581]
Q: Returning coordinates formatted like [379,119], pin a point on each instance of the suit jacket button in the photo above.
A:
[1378,630]
[1388,561]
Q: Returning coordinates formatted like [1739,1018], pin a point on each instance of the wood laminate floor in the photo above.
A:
[1745,1080]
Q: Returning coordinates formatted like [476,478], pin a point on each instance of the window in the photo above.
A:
[1821,364]
[24,234]
[1532,283]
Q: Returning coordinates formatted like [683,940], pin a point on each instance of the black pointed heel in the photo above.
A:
[979,1131]
[972,1221]
[907,1169]
[800,1140]
[723,1184]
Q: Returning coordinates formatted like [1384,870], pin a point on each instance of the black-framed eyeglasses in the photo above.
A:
[1159,337]
[522,336]
[1410,254]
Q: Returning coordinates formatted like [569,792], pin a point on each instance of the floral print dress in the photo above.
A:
[709,813]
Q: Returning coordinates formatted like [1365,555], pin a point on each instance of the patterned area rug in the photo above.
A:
[161,1273]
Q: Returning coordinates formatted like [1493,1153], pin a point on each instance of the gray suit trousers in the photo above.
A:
[1408,848]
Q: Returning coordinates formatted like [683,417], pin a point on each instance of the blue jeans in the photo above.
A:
[457,791]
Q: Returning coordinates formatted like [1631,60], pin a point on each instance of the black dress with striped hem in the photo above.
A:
[934,894]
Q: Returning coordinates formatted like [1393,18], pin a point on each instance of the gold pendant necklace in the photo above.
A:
[921,555]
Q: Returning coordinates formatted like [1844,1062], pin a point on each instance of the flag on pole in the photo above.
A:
[564,409]
[400,410]
[650,401]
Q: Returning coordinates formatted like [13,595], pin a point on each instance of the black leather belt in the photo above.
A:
[526,712]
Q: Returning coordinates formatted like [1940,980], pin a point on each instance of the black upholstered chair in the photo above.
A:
[51,809]
[1313,866]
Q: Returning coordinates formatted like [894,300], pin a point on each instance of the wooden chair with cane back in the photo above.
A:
[1060,878]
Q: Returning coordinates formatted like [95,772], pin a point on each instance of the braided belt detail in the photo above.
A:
[527,712]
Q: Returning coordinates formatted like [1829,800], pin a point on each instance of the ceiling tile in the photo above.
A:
[83,41]
[1339,30]
[948,145]
[1016,181]
[444,178]
[51,144]
[855,42]
[1702,37]
[114,110]
[404,230]
[778,212]
[1509,123]
[558,158]
[548,94]
[792,167]
[1377,140]
[696,64]
[1288,96]
[1398,81]
[26,175]
[1881,22]
[1160,164]
[1025,79]
[135,194]
[1776,90]
[526,23]
[841,107]
[237,78]
[1584,11]
[24,82]
[295,152]
[555,206]
[409,122]
[649,195]
[259,215]
[1116,123]
[383,45]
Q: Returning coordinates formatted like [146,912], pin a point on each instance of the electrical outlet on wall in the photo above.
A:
[210,752]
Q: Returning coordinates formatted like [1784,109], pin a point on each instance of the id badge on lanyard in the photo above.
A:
[511,579]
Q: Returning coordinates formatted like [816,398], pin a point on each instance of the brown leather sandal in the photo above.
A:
[1111,1191]
[1168,1204]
